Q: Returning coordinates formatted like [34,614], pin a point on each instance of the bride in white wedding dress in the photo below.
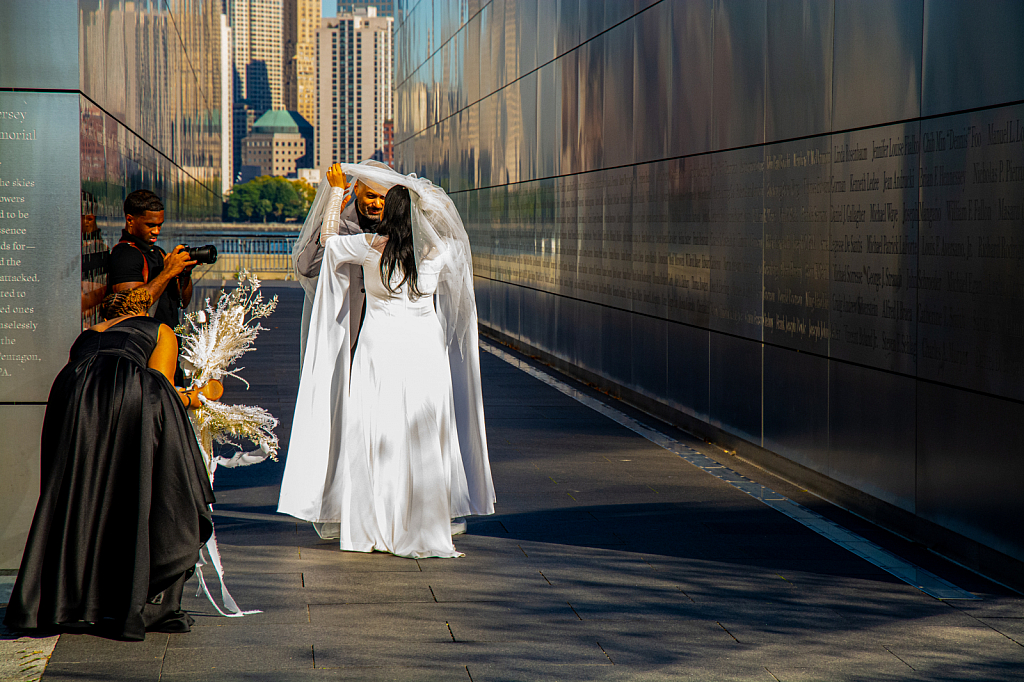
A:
[394,449]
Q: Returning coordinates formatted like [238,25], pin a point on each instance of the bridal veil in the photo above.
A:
[311,472]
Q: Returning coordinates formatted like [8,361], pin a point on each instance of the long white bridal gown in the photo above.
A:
[396,477]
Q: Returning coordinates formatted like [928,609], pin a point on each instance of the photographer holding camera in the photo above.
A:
[136,261]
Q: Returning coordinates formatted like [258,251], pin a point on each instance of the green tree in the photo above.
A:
[306,191]
[284,200]
[242,201]
[269,198]
[263,208]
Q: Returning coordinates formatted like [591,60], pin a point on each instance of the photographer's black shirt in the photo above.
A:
[125,265]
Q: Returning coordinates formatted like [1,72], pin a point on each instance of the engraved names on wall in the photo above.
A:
[873,246]
[971,283]
[898,247]
[797,184]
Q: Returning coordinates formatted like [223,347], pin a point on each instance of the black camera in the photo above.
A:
[202,254]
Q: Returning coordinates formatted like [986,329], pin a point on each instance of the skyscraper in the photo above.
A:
[280,143]
[257,31]
[385,8]
[226,111]
[257,49]
[355,67]
[301,21]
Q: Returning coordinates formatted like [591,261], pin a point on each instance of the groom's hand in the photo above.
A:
[336,177]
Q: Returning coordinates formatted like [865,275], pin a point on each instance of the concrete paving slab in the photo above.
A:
[251,532]
[610,558]
[220,632]
[205,615]
[452,653]
[1011,628]
[323,585]
[988,607]
[928,648]
[257,559]
[138,671]
[725,671]
[677,645]
[371,673]
[83,648]
[453,587]
[240,657]
[841,665]
[380,622]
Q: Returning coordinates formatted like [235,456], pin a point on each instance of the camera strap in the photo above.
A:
[145,261]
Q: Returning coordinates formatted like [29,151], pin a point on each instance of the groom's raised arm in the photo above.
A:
[312,254]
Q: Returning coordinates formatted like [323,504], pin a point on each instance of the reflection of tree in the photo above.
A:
[269,198]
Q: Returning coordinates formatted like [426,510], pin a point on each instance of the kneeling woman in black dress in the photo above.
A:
[124,494]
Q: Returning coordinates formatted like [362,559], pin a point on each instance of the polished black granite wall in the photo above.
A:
[798,222]
[97,99]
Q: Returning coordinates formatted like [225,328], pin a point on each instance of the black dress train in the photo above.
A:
[124,494]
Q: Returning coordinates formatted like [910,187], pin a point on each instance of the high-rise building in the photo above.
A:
[243,118]
[257,31]
[385,8]
[301,21]
[279,144]
[257,49]
[226,111]
[388,152]
[355,71]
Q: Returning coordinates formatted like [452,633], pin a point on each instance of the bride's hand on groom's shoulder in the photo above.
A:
[336,177]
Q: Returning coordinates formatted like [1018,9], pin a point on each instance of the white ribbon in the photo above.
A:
[229,602]
[205,441]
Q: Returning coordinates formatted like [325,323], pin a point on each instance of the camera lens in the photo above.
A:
[203,254]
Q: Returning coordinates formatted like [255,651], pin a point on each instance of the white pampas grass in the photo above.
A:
[228,424]
[211,341]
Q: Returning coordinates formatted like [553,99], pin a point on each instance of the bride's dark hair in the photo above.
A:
[396,225]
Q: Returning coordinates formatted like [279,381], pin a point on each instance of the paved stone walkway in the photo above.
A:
[610,558]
